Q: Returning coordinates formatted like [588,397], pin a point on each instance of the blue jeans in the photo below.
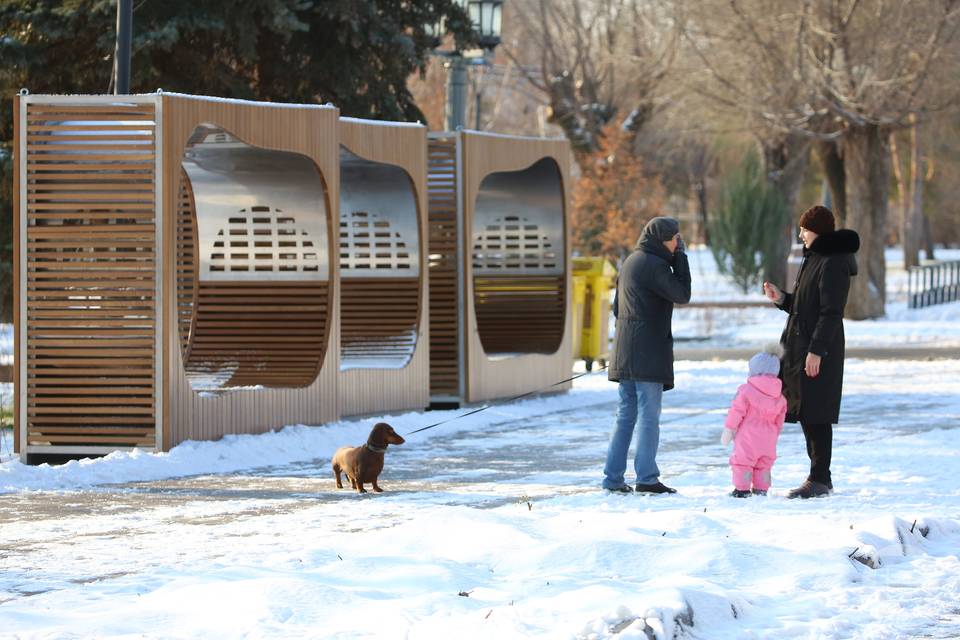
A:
[643,399]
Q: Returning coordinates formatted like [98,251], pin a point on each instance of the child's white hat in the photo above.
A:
[767,362]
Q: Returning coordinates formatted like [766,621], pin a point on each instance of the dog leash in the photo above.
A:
[508,400]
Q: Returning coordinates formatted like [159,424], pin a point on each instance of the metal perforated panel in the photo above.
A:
[518,222]
[261,214]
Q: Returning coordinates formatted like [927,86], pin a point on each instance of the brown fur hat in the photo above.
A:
[818,219]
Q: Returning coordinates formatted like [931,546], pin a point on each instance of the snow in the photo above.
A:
[494,526]
[383,123]
[238,101]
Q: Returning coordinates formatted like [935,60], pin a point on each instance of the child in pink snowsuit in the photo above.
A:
[755,421]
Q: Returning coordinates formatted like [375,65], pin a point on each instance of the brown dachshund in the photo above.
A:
[364,464]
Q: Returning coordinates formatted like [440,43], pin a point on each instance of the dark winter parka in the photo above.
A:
[815,326]
[650,282]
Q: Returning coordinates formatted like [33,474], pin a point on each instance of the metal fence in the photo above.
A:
[933,284]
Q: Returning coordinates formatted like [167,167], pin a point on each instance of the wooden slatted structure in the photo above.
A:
[384,351]
[126,299]
[518,335]
[269,345]
[88,256]
[445,347]
[113,317]
[236,333]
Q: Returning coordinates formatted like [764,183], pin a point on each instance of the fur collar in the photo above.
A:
[839,241]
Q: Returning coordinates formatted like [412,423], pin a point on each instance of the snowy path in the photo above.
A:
[504,507]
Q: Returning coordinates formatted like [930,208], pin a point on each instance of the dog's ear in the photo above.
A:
[393,437]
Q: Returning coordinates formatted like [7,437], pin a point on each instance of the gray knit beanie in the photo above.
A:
[661,228]
[767,362]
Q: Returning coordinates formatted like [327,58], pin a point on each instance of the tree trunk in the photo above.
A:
[829,153]
[703,222]
[902,189]
[866,155]
[785,162]
[928,238]
[913,230]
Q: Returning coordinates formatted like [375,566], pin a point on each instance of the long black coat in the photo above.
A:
[651,281]
[815,326]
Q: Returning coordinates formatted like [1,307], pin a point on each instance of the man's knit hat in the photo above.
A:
[818,219]
[661,228]
[767,362]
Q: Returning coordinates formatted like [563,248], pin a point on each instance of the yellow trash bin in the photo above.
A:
[598,276]
[579,297]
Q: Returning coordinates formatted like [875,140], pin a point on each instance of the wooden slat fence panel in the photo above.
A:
[91,290]
[442,247]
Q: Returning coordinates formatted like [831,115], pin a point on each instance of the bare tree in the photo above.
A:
[593,59]
[847,71]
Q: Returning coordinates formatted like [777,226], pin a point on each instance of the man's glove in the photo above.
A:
[726,437]
[681,248]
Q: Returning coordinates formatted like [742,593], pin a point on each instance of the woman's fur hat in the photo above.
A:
[818,219]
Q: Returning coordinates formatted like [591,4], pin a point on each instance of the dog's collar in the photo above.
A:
[375,449]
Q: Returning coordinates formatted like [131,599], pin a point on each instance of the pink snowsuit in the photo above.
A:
[756,417]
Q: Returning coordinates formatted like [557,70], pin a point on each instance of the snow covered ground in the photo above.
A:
[494,526]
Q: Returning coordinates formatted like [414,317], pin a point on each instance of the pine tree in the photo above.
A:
[746,224]
[356,54]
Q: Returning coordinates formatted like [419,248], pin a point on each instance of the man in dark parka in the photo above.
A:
[653,277]
[813,340]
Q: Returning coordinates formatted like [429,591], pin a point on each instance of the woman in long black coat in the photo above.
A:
[813,341]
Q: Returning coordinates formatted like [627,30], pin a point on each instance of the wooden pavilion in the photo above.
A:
[189,267]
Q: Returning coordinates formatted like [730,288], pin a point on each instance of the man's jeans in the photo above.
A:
[643,398]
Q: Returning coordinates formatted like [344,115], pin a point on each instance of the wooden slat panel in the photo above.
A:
[371,329]
[442,247]
[284,348]
[520,314]
[90,283]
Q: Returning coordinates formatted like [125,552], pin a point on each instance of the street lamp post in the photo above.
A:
[121,55]
[486,16]
[456,109]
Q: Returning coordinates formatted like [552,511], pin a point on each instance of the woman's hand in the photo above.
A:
[773,292]
[812,366]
